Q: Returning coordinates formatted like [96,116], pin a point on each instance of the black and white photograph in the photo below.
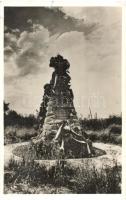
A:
[62,100]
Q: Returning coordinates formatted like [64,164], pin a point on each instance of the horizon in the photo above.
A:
[80,116]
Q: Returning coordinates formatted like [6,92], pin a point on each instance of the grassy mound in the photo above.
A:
[48,151]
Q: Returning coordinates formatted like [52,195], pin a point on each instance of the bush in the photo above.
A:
[32,173]
[115,129]
[100,124]
[93,136]
[61,173]
[116,139]
[13,134]
[104,137]
[10,136]
[90,180]
[119,139]
[80,180]
[27,172]
[13,119]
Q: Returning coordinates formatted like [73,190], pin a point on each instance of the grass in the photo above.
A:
[105,136]
[28,151]
[91,181]
[30,177]
[14,134]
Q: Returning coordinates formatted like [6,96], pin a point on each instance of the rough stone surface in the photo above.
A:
[57,113]
[58,97]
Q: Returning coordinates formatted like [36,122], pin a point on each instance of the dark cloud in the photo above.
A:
[54,19]
[28,50]
[28,33]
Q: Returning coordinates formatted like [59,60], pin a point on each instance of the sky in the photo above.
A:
[88,37]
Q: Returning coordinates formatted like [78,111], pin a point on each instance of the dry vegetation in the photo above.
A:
[106,130]
[30,177]
[15,134]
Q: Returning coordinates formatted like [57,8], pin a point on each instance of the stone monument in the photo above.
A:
[57,108]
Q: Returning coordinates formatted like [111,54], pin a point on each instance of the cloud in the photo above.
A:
[90,38]
[8,51]
[92,78]
[28,51]
[10,39]
[29,21]
[24,17]
[101,15]
[10,68]
[33,46]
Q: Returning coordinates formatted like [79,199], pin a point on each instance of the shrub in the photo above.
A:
[93,136]
[90,180]
[100,124]
[119,139]
[61,173]
[27,172]
[115,129]
[32,173]
[13,134]
[116,139]
[87,179]
[13,118]
[10,136]
[104,137]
